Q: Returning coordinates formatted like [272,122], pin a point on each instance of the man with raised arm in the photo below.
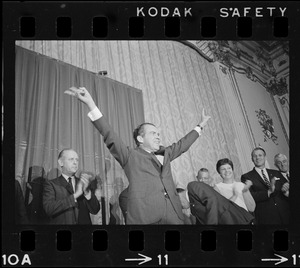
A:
[152,195]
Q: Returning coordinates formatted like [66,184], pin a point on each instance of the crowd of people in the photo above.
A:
[259,197]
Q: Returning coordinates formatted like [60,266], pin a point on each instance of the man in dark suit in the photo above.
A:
[68,199]
[272,206]
[152,195]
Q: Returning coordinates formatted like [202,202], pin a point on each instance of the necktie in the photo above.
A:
[265,179]
[288,176]
[70,184]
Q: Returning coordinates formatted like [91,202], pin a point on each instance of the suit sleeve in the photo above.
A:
[53,206]
[183,144]
[93,204]
[258,194]
[113,142]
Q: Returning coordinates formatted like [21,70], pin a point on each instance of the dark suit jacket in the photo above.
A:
[269,210]
[147,178]
[60,205]
[210,207]
[35,209]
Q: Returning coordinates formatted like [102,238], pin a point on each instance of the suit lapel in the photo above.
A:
[62,181]
[156,163]
[259,178]
[278,175]
[270,174]
[153,159]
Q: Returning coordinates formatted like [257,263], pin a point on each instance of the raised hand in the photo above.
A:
[205,118]
[273,181]
[85,180]
[285,187]
[79,190]
[83,95]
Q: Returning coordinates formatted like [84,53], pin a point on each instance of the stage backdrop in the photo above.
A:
[47,120]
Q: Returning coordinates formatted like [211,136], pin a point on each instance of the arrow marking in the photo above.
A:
[281,260]
[144,259]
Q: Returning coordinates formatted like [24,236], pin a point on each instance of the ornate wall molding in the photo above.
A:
[265,62]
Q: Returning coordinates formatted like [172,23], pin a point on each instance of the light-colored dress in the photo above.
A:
[226,189]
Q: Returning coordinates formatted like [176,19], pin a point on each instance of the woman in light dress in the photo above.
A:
[233,190]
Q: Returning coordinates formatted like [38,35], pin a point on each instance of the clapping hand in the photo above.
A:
[248,184]
[85,180]
[82,185]
[83,95]
[79,190]
[285,189]
[205,118]
[273,181]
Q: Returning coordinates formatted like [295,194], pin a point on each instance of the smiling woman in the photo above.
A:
[236,192]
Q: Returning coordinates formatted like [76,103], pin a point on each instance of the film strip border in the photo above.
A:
[153,20]
[172,26]
[189,245]
[165,246]
[172,240]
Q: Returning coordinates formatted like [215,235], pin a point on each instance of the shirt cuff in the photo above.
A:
[198,129]
[95,114]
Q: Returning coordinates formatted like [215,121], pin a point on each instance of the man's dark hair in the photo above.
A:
[139,131]
[222,162]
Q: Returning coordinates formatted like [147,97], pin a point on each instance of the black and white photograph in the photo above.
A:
[150,134]
[153,132]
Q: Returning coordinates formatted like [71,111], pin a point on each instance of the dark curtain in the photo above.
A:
[47,120]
